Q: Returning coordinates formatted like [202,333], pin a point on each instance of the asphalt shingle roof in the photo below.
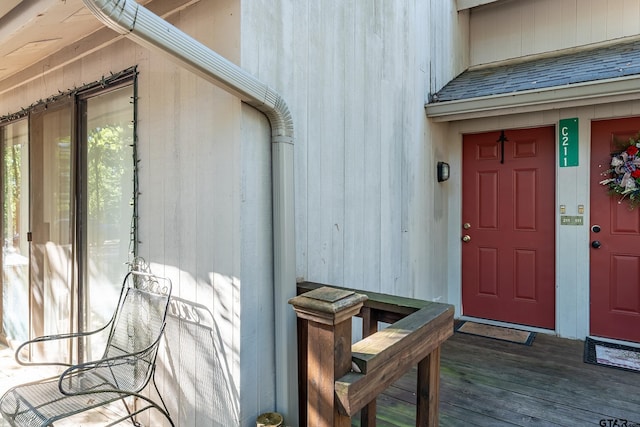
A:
[601,63]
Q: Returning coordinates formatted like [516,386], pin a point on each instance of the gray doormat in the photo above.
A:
[496,332]
[612,355]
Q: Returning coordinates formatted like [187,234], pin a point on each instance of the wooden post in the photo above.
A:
[369,327]
[328,312]
[302,370]
[428,390]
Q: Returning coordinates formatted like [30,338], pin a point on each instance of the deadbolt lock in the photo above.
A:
[466,226]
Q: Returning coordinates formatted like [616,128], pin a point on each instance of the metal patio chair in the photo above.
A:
[125,369]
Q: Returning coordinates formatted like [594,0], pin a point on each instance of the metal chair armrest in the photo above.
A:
[51,338]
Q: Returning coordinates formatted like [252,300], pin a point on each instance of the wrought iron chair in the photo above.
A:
[125,369]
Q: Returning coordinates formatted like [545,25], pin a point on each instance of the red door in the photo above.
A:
[508,226]
[615,237]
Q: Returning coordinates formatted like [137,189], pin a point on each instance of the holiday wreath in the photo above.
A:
[624,173]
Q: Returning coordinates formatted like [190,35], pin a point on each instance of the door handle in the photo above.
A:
[596,244]
[466,238]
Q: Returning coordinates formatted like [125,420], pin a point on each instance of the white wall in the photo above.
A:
[369,212]
[205,210]
[512,29]
[356,76]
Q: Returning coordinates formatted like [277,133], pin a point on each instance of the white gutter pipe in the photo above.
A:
[149,30]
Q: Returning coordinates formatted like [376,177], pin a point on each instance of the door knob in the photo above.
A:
[466,238]
[596,244]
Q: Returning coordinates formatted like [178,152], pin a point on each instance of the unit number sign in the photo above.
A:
[568,142]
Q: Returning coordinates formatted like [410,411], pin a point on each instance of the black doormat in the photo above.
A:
[496,332]
[612,355]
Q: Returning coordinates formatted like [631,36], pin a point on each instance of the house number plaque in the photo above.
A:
[568,142]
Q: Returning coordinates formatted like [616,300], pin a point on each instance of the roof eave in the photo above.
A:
[553,98]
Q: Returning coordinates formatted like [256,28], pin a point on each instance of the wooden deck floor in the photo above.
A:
[486,382]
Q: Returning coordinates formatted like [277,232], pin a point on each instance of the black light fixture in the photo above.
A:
[443,171]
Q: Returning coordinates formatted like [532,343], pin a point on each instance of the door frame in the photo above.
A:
[75,251]
[571,242]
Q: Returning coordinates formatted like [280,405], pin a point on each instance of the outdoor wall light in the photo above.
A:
[443,171]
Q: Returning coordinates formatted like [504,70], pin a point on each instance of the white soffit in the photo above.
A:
[7,5]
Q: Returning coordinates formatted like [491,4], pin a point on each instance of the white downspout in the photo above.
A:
[147,29]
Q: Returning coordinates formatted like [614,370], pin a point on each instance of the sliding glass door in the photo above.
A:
[68,215]
[14,305]
[108,181]
[52,222]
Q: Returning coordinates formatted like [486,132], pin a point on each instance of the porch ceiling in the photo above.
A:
[7,5]
[31,30]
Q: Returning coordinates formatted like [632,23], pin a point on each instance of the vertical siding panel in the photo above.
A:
[271,26]
[548,22]
[178,233]
[326,160]
[433,37]
[630,18]
[204,176]
[614,19]
[411,159]
[318,243]
[226,209]
[480,36]
[419,251]
[187,112]
[599,20]
[151,143]
[258,355]
[502,22]
[391,148]
[185,212]
[335,171]
[158,134]
[372,225]
[508,30]
[302,52]
[527,20]
[209,250]
[150,227]
[355,145]
[583,26]
[568,23]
